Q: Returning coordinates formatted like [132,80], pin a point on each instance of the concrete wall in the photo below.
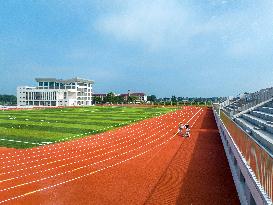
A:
[249,189]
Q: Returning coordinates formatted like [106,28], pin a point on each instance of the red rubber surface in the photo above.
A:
[141,163]
[6,150]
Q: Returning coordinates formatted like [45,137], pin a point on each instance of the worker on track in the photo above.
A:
[187,127]
[180,129]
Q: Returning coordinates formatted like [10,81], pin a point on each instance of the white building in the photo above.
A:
[56,92]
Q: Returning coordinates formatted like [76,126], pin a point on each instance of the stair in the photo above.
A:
[263,137]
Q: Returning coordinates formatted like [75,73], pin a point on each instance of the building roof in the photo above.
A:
[133,94]
[72,80]
[98,94]
[138,94]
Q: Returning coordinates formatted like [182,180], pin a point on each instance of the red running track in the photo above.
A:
[141,163]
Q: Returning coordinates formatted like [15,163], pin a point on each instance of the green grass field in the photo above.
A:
[30,128]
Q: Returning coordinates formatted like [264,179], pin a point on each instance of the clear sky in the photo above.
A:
[163,47]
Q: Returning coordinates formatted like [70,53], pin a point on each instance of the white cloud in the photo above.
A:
[153,23]
[166,23]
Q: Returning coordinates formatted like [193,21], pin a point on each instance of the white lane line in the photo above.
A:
[85,175]
[81,160]
[19,141]
[62,146]
[82,167]
[77,135]
[48,163]
[76,156]
[144,122]
[67,153]
[120,139]
[87,138]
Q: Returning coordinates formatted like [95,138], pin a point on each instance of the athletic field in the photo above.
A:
[141,163]
[30,128]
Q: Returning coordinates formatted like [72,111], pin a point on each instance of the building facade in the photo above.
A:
[56,92]
[140,97]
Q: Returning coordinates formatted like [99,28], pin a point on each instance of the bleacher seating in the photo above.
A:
[259,124]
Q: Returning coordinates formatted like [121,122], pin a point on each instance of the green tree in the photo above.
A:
[110,97]
[119,99]
[8,100]
[174,99]
[151,98]
[132,98]
[97,100]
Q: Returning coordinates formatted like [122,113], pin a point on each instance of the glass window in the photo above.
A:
[57,84]
[40,83]
[45,83]
[51,84]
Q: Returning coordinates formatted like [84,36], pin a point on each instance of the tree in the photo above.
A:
[151,98]
[97,100]
[132,98]
[110,97]
[8,99]
[173,99]
[119,99]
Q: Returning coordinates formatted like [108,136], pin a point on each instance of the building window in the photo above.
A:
[45,83]
[40,83]
[57,84]
[51,84]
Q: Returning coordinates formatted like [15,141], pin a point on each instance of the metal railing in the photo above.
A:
[260,161]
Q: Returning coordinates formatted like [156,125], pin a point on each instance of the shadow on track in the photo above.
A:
[208,179]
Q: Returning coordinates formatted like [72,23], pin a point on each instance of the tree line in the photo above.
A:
[152,99]
[8,100]
[112,98]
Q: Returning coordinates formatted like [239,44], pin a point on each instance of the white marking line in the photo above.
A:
[82,167]
[49,149]
[36,165]
[133,131]
[63,150]
[194,115]
[88,138]
[76,136]
[75,156]
[19,141]
[127,126]
[85,175]
[84,160]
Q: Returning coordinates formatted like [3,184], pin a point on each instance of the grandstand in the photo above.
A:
[246,127]
[259,124]
[254,114]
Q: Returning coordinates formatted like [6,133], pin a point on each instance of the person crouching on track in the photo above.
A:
[180,129]
[187,127]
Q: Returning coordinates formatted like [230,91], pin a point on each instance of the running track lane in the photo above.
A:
[147,167]
[199,171]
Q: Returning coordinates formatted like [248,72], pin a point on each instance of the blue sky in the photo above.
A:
[163,47]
